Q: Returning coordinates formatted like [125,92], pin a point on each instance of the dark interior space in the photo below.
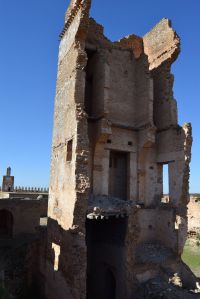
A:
[110,285]
[118,176]
[105,241]
[69,150]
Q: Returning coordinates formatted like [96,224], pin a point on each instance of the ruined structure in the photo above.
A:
[194,215]
[23,218]
[110,234]
[115,126]
[22,238]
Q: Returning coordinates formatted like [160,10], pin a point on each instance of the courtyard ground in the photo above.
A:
[191,256]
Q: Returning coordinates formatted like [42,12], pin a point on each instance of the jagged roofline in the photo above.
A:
[161,44]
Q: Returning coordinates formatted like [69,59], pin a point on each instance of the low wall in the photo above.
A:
[194,216]
[26,213]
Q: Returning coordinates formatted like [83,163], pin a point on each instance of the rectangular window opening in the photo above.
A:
[69,150]
[165,174]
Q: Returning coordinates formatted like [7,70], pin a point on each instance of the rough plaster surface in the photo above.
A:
[194,215]
[115,97]
[111,97]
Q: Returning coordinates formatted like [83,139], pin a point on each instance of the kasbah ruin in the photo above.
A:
[104,229]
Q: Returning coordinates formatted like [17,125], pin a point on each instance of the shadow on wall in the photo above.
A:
[72,267]
[6,224]
[64,264]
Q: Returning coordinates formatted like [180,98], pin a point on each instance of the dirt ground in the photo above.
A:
[191,255]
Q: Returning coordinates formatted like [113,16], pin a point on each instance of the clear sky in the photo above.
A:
[29,33]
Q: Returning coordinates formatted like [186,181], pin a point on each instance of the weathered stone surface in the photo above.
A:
[110,233]
[115,126]
[194,215]
[161,44]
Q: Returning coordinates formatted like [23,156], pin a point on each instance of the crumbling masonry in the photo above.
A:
[115,127]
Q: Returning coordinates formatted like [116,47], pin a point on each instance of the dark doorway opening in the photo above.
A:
[110,285]
[118,175]
[6,224]
[105,241]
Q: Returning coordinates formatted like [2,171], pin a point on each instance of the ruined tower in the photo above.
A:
[115,127]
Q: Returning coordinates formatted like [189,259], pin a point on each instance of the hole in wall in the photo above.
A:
[165,183]
[56,249]
[105,242]
[43,221]
[166,179]
[69,150]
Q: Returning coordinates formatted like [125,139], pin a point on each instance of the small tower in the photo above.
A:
[8,181]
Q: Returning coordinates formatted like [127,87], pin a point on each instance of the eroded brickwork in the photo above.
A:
[115,127]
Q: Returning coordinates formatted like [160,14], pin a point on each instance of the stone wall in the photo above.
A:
[22,245]
[26,214]
[115,113]
[69,180]
[194,215]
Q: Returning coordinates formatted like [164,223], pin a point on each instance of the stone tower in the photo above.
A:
[115,127]
[8,181]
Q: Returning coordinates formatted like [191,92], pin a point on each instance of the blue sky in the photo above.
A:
[29,33]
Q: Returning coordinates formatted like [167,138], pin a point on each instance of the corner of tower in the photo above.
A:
[76,8]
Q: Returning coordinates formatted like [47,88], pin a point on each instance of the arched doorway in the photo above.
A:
[105,240]
[110,285]
[6,224]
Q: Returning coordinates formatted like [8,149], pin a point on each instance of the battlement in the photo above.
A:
[29,190]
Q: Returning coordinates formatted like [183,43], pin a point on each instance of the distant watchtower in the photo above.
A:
[8,181]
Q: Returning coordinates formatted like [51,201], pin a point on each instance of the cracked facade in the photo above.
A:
[115,127]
